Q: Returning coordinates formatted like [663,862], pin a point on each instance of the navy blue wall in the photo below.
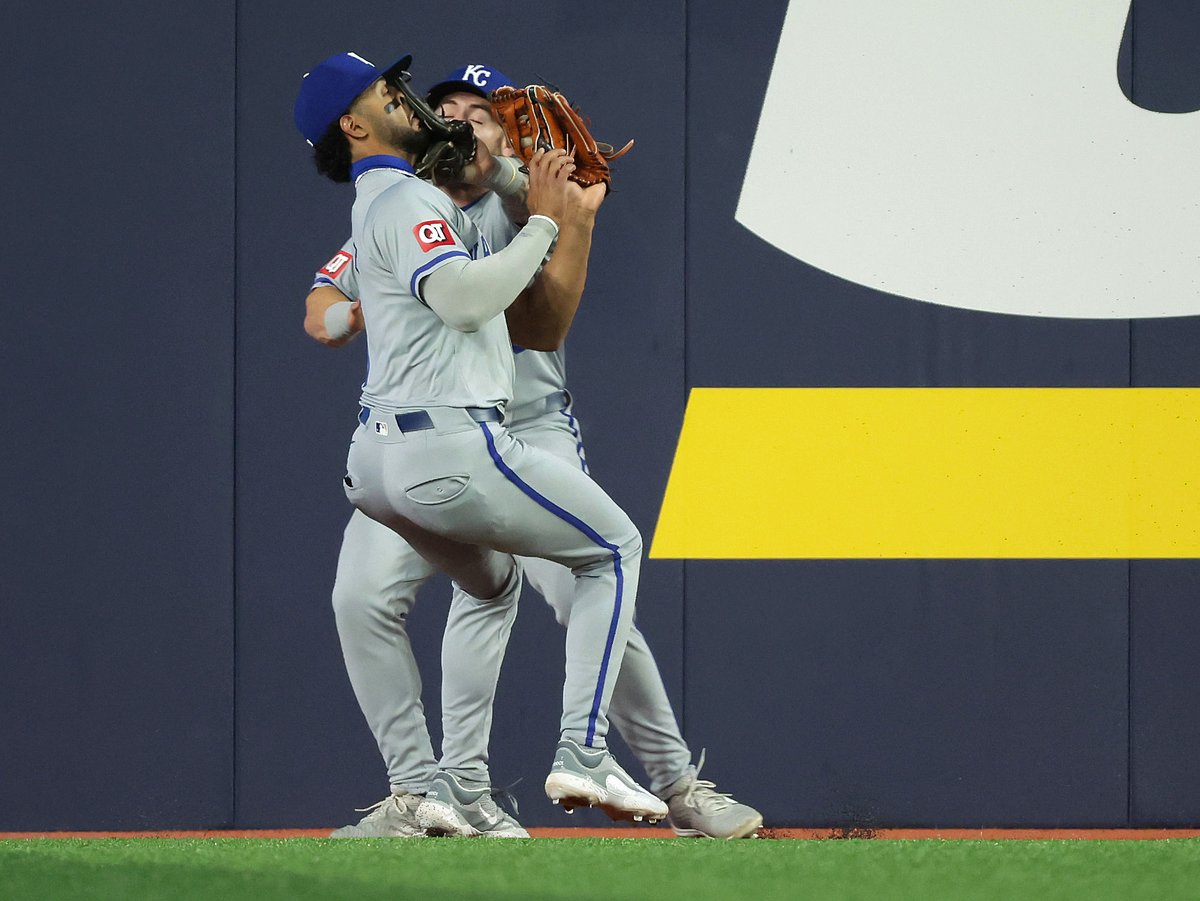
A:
[116,600]
[1165,594]
[175,448]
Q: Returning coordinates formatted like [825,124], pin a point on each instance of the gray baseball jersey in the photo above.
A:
[538,374]
[404,230]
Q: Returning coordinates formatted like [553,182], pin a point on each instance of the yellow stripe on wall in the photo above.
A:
[775,473]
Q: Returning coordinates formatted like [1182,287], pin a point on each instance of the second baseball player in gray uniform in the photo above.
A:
[379,573]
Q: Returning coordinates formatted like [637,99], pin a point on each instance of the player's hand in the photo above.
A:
[357,323]
[548,184]
[582,203]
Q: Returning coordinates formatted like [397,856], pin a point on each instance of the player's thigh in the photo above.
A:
[374,561]
[486,487]
[482,572]
[417,486]
[551,509]
[481,486]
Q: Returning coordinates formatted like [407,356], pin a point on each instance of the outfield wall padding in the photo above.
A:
[175,447]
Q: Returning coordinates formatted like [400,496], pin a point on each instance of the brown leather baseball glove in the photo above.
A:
[536,117]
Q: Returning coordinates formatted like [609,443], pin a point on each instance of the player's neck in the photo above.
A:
[372,147]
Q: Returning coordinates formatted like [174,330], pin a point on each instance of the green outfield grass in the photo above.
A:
[584,869]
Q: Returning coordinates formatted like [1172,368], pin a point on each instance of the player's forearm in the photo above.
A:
[466,294]
[542,316]
[565,275]
[331,318]
[512,186]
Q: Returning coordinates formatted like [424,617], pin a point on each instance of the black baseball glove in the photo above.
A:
[452,143]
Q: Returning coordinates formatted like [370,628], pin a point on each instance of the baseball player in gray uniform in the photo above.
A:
[379,573]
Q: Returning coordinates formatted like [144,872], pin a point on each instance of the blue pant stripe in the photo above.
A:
[578,441]
[595,536]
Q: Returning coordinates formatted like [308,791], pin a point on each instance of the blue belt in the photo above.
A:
[418,420]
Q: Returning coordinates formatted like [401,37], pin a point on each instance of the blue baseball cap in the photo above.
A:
[329,89]
[474,78]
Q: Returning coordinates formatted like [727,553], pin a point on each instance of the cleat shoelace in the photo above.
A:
[379,808]
[702,795]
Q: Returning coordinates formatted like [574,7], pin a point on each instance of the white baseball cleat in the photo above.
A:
[451,809]
[393,817]
[590,777]
[699,810]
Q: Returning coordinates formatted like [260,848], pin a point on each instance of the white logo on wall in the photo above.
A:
[978,154]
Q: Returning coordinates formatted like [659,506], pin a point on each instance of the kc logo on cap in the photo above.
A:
[475,78]
[476,74]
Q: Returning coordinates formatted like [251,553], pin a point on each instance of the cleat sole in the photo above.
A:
[575,791]
[440,820]
[748,829]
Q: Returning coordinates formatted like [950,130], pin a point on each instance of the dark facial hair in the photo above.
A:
[413,142]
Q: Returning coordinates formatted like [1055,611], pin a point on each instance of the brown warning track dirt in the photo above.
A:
[618,832]
[984,834]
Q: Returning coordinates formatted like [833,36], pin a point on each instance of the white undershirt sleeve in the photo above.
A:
[466,294]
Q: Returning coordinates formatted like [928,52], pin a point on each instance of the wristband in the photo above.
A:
[553,235]
[337,321]
[507,179]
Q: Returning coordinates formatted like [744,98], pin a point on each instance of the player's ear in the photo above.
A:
[351,126]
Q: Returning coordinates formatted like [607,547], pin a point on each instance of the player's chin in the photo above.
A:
[414,141]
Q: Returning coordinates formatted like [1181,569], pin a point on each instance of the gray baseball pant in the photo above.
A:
[378,576]
[467,496]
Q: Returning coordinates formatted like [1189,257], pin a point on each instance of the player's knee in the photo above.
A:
[630,547]
[511,589]
[357,603]
[345,600]
[500,583]
[624,549]
[352,607]
[561,607]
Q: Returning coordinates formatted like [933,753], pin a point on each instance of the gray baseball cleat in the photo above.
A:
[393,817]
[450,809]
[698,810]
[585,777]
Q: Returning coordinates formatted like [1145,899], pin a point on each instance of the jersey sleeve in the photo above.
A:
[416,232]
[491,218]
[340,272]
